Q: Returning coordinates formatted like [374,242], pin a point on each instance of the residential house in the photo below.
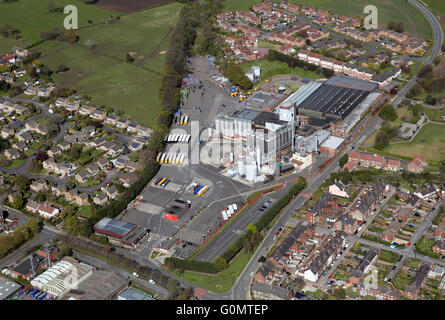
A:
[86,110]
[122,123]
[411,291]
[20,145]
[98,115]
[100,199]
[263,291]
[346,224]
[7,132]
[111,192]
[439,247]
[111,119]
[338,189]
[417,164]
[12,154]
[82,199]
[48,212]
[54,152]
[38,186]
[328,250]
[82,176]
[32,206]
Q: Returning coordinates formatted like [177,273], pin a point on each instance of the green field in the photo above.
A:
[271,68]
[429,142]
[32,17]
[437,6]
[412,19]
[6,44]
[103,73]
[221,282]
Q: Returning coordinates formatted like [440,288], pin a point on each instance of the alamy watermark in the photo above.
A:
[72,19]
[371,20]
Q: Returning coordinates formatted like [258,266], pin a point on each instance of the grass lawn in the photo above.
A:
[388,256]
[32,17]
[429,142]
[6,44]
[103,73]
[221,282]
[85,211]
[424,245]
[437,6]
[271,68]
[413,20]
[16,163]
[435,114]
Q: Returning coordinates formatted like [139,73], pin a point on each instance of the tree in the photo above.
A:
[18,201]
[41,156]
[342,161]
[381,140]
[220,263]
[388,113]
[21,181]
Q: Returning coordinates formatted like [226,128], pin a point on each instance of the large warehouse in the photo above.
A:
[125,232]
[334,99]
[62,277]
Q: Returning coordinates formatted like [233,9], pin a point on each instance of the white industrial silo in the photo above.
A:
[241,168]
[256,71]
[251,172]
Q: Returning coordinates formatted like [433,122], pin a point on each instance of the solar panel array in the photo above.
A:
[334,100]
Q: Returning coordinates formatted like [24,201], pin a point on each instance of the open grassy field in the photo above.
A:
[429,142]
[412,19]
[271,68]
[6,44]
[221,282]
[103,73]
[32,17]
[437,6]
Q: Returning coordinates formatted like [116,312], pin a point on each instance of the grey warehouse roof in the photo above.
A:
[118,227]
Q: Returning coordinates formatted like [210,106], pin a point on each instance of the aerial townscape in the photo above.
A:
[222,150]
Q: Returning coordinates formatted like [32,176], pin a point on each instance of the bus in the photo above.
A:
[199,187]
[181,121]
[186,120]
[203,191]
[157,181]
[224,215]
[188,138]
[162,181]
[165,183]
[173,160]
[158,158]
[163,158]
[235,207]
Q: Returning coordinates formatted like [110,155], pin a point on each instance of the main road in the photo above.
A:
[242,287]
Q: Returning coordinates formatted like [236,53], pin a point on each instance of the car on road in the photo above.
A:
[135,274]
[393,267]
[16,219]
[152,281]
[408,244]
[400,258]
